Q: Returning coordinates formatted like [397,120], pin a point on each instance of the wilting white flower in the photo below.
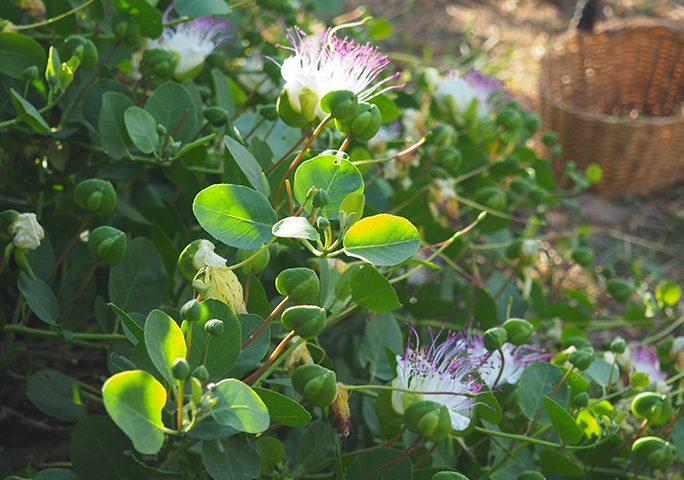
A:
[26,231]
[441,372]
[324,63]
[516,360]
[191,42]
[222,282]
[207,257]
[457,94]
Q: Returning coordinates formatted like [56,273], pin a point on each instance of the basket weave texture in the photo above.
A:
[616,97]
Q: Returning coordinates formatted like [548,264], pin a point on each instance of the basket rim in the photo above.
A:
[613,28]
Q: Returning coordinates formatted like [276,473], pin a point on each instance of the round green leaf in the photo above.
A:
[283,409]
[335,175]
[236,215]
[172,106]
[668,292]
[40,298]
[230,459]
[239,407]
[134,399]
[537,381]
[56,394]
[371,290]
[223,352]
[18,52]
[382,240]
[96,442]
[295,227]
[165,342]
[563,423]
[142,128]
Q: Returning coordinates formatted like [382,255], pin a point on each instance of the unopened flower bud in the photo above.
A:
[366,123]
[429,419]
[494,338]
[161,129]
[216,116]
[316,384]
[448,476]
[108,244]
[180,369]
[443,135]
[583,256]
[307,321]
[654,451]
[83,48]
[654,407]
[96,196]
[195,390]
[31,73]
[300,112]
[518,330]
[341,104]
[201,373]
[214,327]
[509,119]
[450,157]
[582,359]
[300,284]
[618,345]
[192,311]
[619,289]
[639,380]
[158,64]
[581,399]
[322,223]
[321,198]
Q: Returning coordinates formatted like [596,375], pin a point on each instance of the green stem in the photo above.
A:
[49,21]
[37,332]
[442,247]
[520,438]
[251,257]
[662,334]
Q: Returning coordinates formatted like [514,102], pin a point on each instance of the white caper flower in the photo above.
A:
[26,231]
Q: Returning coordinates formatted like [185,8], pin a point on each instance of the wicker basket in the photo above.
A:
[616,97]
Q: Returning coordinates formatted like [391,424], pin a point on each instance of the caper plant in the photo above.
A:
[239,244]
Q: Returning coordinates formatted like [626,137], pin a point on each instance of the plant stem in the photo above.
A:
[521,438]
[62,16]
[37,332]
[265,323]
[256,375]
[251,257]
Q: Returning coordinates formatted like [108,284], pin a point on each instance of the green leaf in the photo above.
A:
[383,240]
[134,283]
[380,29]
[111,126]
[295,227]
[318,443]
[172,106]
[230,459]
[56,394]
[389,111]
[537,381]
[283,409]
[193,8]
[678,438]
[560,463]
[371,290]
[248,164]
[271,453]
[239,407]
[235,215]
[148,17]
[129,323]
[134,399]
[19,52]
[222,90]
[27,113]
[565,426]
[40,298]
[97,443]
[165,343]
[668,293]
[142,128]
[599,371]
[56,474]
[351,209]
[222,352]
[396,469]
[381,332]
[335,175]
[488,408]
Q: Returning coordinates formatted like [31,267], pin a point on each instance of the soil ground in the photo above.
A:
[509,37]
